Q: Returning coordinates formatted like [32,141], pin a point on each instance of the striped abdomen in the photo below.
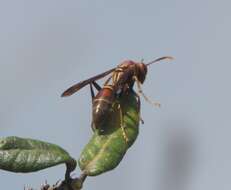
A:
[102,105]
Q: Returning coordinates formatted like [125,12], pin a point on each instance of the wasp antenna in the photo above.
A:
[160,59]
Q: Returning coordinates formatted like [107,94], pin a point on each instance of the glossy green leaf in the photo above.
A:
[28,155]
[105,151]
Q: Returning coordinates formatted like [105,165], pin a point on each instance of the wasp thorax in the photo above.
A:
[126,64]
[141,71]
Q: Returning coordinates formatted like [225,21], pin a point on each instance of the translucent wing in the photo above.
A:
[81,84]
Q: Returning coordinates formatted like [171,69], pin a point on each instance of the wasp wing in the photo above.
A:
[81,84]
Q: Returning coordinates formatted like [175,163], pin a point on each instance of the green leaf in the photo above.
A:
[105,151]
[28,155]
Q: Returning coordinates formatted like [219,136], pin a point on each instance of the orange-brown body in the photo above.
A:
[102,104]
[122,80]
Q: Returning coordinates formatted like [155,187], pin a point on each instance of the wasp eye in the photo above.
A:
[142,71]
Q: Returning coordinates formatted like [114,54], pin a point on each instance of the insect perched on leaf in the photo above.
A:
[104,152]
[116,115]
[121,80]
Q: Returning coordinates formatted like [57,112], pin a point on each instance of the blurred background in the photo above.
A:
[46,46]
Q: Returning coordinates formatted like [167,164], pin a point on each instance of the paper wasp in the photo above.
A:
[122,79]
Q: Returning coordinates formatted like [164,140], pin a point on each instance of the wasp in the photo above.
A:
[122,79]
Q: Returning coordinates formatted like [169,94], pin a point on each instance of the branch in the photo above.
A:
[67,184]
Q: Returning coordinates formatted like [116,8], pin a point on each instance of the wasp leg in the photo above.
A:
[141,120]
[96,85]
[155,103]
[138,102]
[92,92]
[107,81]
[122,125]
[92,99]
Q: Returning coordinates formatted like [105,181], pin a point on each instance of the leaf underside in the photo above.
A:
[28,155]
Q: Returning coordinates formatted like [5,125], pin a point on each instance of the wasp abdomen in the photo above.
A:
[102,105]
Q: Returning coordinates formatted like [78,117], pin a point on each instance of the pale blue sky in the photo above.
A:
[46,46]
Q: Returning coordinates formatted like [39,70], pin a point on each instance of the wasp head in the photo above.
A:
[141,72]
